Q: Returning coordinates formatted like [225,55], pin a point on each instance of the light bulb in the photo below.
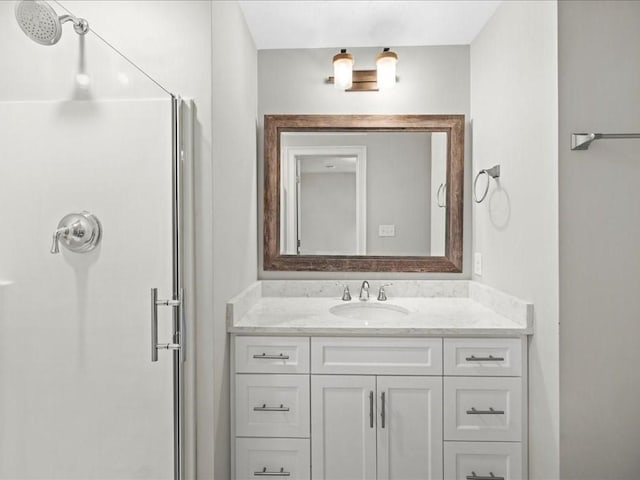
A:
[343,70]
[386,68]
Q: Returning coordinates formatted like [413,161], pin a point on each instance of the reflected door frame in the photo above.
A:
[289,236]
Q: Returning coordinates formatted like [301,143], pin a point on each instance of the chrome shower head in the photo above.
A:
[42,24]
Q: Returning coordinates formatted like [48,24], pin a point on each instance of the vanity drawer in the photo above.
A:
[483,408]
[483,356]
[273,458]
[271,354]
[272,405]
[481,460]
[376,356]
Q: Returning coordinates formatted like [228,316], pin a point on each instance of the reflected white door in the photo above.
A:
[79,396]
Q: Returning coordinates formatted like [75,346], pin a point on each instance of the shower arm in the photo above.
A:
[80,25]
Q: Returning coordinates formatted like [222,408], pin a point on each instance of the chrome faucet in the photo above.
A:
[346,294]
[364,291]
[382,295]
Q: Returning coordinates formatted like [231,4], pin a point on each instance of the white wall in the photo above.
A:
[171,40]
[432,80]
[599,66]
[514,113]
[234,188]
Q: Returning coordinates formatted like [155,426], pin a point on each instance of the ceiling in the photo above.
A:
[365,23]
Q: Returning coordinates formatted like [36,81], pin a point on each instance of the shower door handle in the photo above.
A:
[154,324]
[175,303]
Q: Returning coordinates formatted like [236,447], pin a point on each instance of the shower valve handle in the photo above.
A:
[55,246]
[78,232]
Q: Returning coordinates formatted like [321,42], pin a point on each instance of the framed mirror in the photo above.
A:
[356,193]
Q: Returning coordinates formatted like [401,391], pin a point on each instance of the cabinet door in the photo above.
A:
[343,432]
[409,428]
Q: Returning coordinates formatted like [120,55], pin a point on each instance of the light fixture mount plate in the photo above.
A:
[363,81]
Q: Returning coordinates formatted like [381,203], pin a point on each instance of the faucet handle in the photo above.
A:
[346,294]
[382,295]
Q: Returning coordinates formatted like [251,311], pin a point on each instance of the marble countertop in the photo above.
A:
[434,308]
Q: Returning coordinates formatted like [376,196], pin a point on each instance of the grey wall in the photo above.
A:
[599,66]
[399,193]
[234,206]
[438,177]
[514,113]
[432,80]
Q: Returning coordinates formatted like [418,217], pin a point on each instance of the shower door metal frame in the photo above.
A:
[179,333]
[177,300]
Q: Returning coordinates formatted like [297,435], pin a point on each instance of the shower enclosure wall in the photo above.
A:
[82,129]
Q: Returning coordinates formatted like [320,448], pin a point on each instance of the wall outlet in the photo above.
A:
[386,230]
[477,263]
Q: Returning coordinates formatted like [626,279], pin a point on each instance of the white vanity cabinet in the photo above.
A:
[379,408]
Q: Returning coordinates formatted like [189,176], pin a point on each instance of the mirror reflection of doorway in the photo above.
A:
[326,211]
[326,222]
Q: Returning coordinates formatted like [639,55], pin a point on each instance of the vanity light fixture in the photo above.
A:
[345,78]
[343,70]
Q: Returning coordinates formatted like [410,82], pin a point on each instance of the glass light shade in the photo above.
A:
[386,69]
[343,70]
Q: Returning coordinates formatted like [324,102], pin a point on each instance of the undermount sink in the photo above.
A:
[369,311]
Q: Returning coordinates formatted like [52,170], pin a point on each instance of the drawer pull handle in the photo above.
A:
[491,411]
[383,414]
[490,358]
[265,473]
[264,408]
[264,356]
[491,476]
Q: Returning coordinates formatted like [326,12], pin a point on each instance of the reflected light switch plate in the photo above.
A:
[477,263]
[386,230]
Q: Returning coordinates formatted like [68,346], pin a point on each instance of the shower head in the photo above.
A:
[42,24]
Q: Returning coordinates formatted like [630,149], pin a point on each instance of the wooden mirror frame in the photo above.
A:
[453,125]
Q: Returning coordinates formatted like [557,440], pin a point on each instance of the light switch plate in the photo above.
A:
[477,263]
[386,230]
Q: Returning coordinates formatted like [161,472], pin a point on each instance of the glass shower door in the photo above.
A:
[79,395]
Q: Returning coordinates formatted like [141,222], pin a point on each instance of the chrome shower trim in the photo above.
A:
[40,22]
[78,232]
[80,25]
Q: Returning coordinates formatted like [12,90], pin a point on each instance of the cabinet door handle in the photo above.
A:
[371,409]
[490,358]
[383,413]
[265,473]
[491,411]
[264,356]
[264,408]
[491,476]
